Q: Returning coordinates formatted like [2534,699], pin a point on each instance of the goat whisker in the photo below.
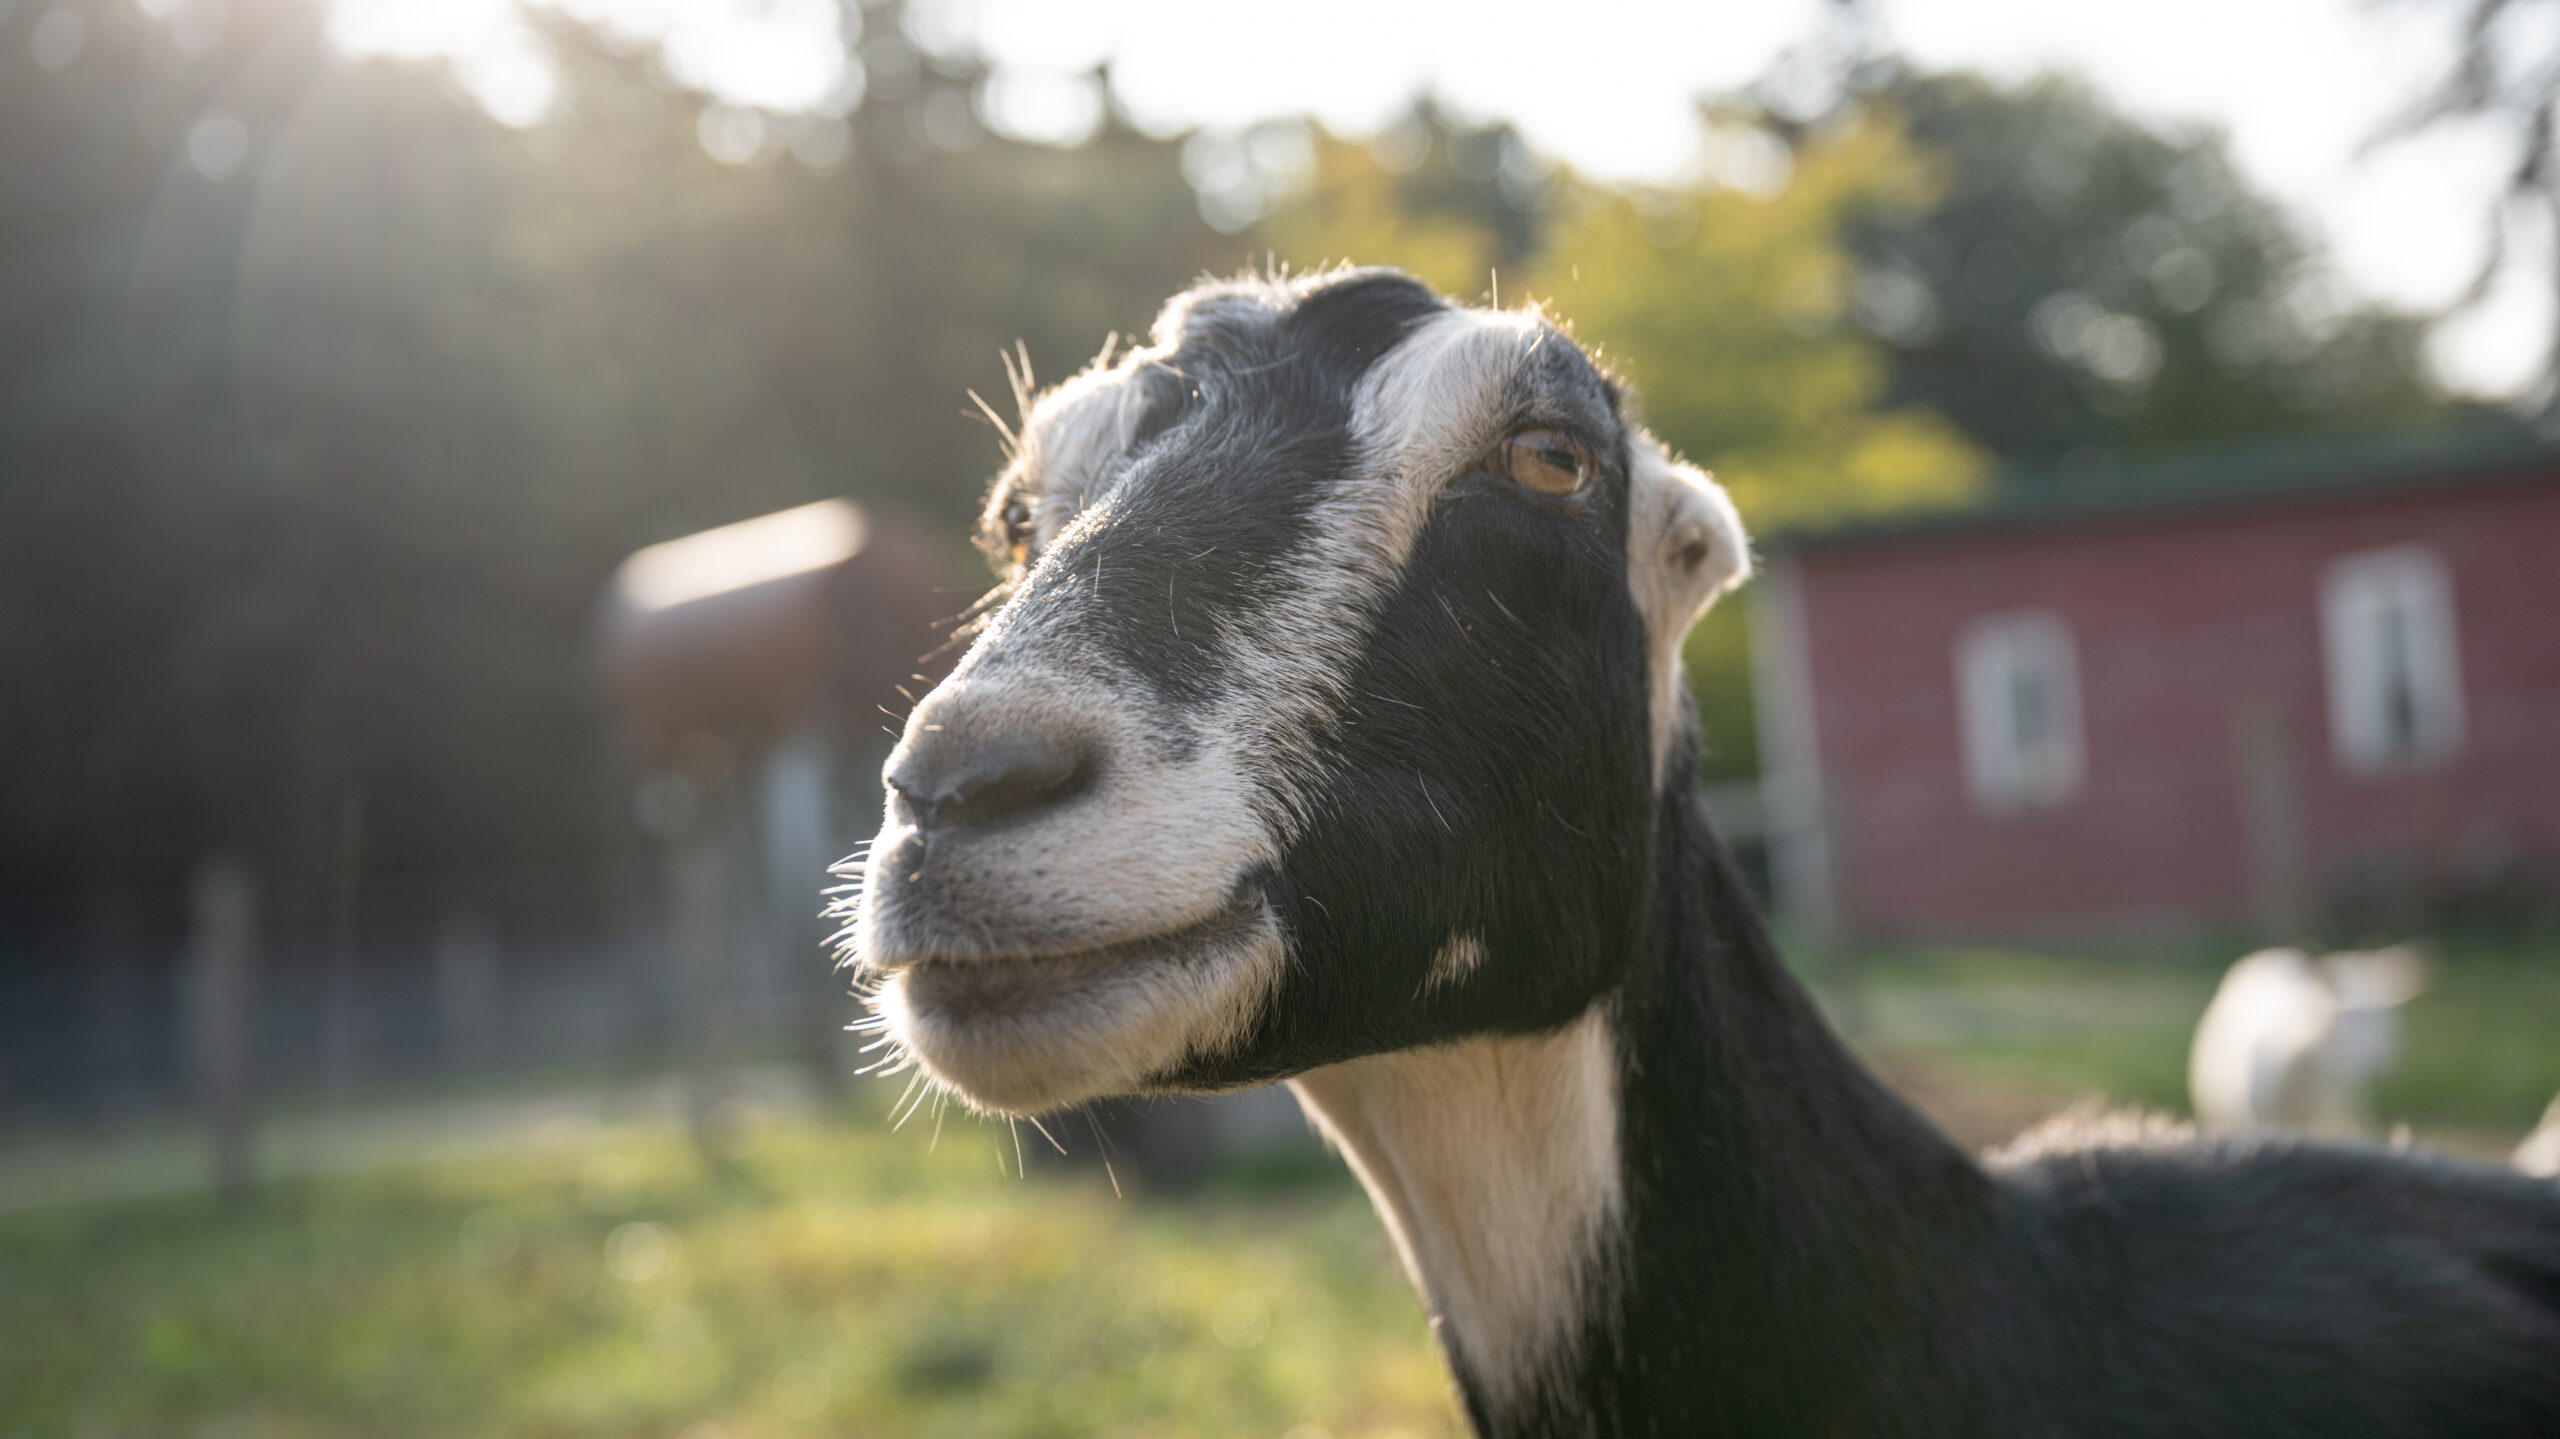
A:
[1102,1146]
[1435,804]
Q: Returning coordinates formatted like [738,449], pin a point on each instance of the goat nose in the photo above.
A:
[977,776]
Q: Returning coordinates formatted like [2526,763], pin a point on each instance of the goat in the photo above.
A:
[1329,727]
[2539,1154]
[2294,1041]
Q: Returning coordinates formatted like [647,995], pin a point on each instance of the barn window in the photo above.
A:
[2018,698]
[2395,681]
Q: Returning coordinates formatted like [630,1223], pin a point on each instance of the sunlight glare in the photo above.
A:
[1050,109]
[419,29]
[2300,85]
[785,56]
[739,556]
[782,56]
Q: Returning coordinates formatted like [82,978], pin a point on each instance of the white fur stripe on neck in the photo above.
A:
[1495,1163]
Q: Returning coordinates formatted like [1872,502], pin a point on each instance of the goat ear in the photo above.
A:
[1685,542]
[1685,546]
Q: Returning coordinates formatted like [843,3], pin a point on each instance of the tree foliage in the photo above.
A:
[327,403]
[1456,205]
[2083,286]
[1719,305]
[2505,75]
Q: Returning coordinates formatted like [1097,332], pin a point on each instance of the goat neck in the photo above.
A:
[1690,1211]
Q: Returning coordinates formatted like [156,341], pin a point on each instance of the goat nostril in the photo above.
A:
[970,784]
[1010,780]
[910,792]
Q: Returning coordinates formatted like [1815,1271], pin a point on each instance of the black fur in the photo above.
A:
[1806,1256]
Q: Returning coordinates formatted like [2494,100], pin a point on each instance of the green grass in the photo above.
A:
[833,1278]
[836,1278]
[2483,1045]
[2068,1024]
[2480,1055]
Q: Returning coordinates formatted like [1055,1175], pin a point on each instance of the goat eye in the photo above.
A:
[1548,461]
[1017,532]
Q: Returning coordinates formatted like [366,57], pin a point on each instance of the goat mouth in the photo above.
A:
[960,989]
[1035,1031]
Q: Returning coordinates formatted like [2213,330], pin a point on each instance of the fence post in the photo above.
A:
[687,810]
[467,966]
[223,964]
[703,938]
[345,1024]
[796,814]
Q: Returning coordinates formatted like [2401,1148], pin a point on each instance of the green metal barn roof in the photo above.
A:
[2253,474]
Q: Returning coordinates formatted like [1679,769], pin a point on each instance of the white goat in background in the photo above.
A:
[2293,1041]
[2540,1152]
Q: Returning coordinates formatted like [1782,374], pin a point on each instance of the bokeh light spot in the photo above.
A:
[217,144]
[58,38]
[641,1251]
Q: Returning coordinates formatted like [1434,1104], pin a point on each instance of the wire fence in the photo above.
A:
[97,1033]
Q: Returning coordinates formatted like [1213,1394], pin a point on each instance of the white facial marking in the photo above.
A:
[1495,1163]
[1421,415]
[1462,956]
[1434,406]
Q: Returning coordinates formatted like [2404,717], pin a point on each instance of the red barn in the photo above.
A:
[2282,689]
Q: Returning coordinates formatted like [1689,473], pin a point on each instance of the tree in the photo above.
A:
[327,405]
[2084,286]
[1454,205]
[2506,73]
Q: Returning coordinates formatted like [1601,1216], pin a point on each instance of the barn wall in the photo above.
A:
[2179,621]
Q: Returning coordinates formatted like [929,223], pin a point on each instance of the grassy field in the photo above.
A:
[836,1278]
[833,1278]
[2479,1060]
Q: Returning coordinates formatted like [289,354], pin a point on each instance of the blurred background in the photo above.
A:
[481,480]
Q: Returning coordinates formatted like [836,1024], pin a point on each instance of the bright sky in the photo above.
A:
[2299,84]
